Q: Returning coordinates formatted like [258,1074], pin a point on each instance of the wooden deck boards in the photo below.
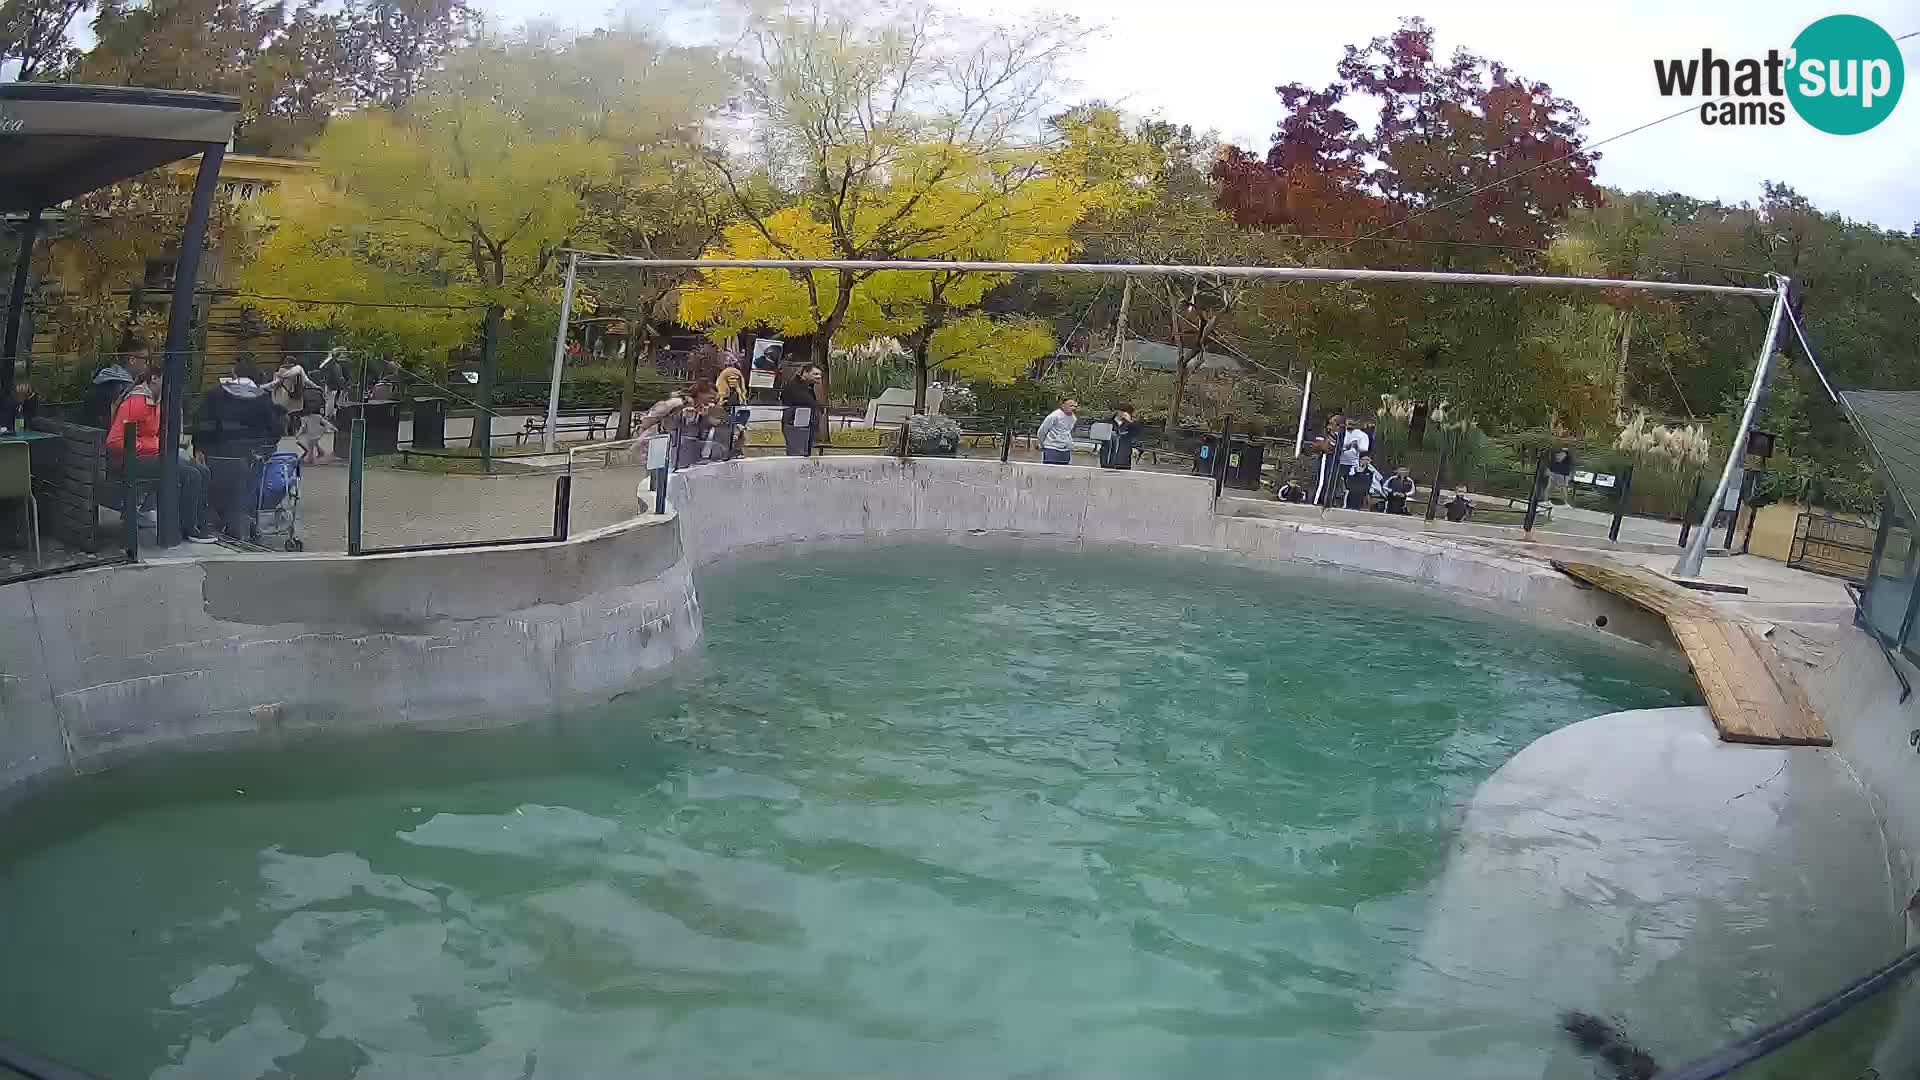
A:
[1751,695]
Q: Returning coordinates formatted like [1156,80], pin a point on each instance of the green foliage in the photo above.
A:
[862,374]
[1099,387]
[587,386]
[1022,398]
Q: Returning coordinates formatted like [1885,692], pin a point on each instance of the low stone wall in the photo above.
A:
[99,664]
[734,508]
[1635,867]
[1849,681]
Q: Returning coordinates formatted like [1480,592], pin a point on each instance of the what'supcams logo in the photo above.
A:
[1843,75]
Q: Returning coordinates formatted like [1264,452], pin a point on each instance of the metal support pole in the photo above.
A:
[173,385]
[1220,456]
[1006,444]
[1693,503]
[17,303]
[356,475]
[1913,609]
[599,260]
[559,357]
[481,437]
[904,451]
[562,504]
[1696,554]
[660,490]
[1439,476]
[129,505]
[1533,492]
[1300,432]
[1621,486]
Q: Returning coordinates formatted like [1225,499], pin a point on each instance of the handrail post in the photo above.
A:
[356,470]
[1621,486]
[1753,515]
[129,505]
[1221,456]
[1534,491]
[1693,501]
[905,451]
[1439,476]
[1006,443]
[562,504]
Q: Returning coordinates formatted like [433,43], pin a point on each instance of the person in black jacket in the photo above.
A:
[801,416]
[1399,488]
[238,424]
[1117,452]
[112,382]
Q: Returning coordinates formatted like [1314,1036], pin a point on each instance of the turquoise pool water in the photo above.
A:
[917,812]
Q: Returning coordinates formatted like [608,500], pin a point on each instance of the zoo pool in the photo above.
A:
[924,812]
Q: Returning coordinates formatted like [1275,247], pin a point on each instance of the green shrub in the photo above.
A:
[592,386]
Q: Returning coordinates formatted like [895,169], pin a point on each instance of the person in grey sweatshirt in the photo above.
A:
[1056,434]
[112,382]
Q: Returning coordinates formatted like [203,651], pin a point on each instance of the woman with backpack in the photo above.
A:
[295,393]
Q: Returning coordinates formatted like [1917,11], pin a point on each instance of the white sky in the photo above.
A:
[1214,63]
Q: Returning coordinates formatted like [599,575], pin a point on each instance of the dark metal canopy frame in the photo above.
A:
[58,142]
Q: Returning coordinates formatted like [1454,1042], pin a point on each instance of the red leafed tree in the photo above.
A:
[1465,167]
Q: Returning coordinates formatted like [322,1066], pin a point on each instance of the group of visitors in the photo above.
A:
[1345,476]
[708,419]
[240,421]
[1122,434]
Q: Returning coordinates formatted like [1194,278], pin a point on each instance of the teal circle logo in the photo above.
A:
[1847,74]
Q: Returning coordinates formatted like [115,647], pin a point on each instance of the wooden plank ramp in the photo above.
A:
[1751,695]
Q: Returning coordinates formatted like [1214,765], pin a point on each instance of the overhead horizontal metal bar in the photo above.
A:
[601,260]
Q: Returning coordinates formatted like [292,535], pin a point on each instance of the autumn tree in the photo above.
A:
[905,138]
[467,194]
[660,201]
[33,35]
[393,47]
[1466,167]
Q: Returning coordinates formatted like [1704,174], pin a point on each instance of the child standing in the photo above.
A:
[314,430]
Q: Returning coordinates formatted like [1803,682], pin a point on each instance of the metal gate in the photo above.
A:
[1837,546]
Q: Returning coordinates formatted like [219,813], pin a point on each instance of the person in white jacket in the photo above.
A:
[1056,434]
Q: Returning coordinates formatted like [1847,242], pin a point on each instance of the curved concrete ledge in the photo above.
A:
[1635,867]
[737,507]
[99,664]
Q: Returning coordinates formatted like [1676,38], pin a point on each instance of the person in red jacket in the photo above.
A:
[141,408]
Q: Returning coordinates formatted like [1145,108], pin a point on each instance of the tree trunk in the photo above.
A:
[921,369]
[1179,392]
[822,344]
[483,395]
[634,338]
[1620,369]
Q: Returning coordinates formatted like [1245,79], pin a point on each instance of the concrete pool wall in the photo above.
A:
[101,664]
[739,507]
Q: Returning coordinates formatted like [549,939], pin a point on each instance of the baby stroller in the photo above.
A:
[261,489]
[277,510]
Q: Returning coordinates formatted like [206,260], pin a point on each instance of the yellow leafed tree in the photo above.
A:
[920,138]
[466,196]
